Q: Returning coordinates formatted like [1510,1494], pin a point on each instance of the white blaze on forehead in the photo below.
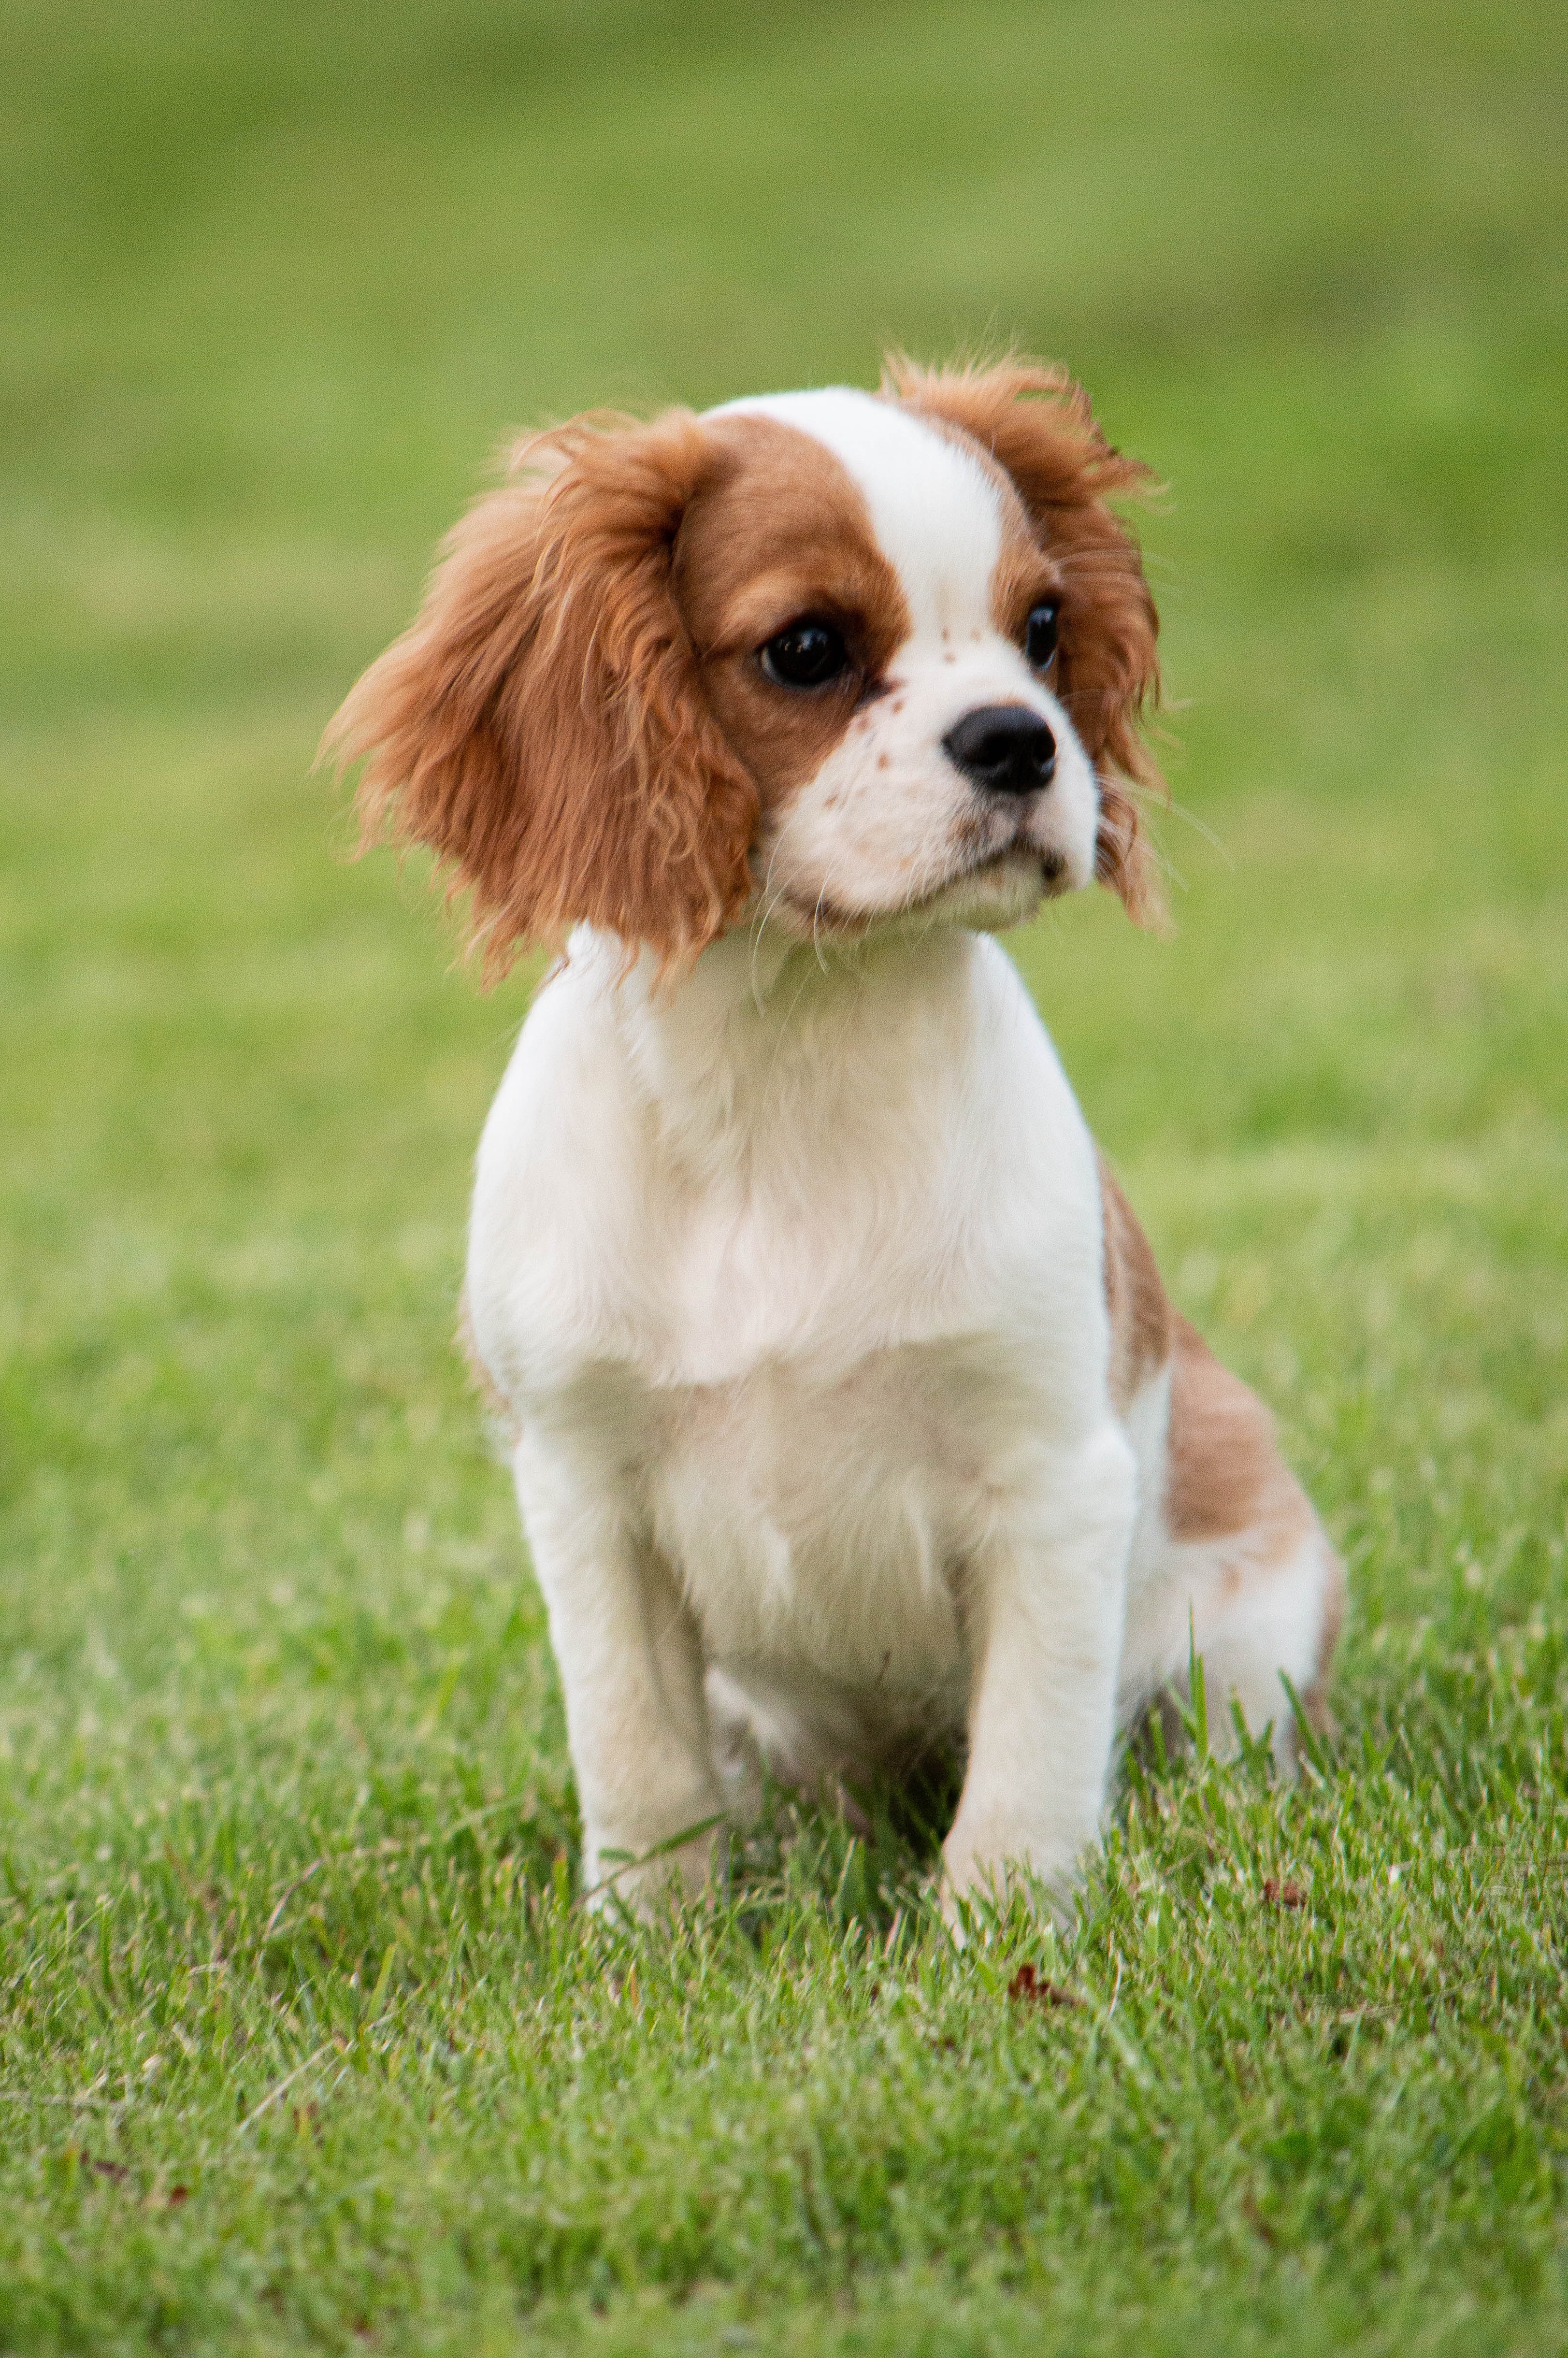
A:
[934,509]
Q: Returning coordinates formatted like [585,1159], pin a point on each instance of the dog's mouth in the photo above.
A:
[1020,873]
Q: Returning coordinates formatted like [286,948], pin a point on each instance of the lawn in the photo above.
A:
[302,2043]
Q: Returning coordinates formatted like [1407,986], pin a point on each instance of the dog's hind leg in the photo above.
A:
[1240,1571]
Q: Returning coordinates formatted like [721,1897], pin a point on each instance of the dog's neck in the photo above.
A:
[768,1045]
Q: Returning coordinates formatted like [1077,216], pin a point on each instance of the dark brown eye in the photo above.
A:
[1040,634]
[807,654]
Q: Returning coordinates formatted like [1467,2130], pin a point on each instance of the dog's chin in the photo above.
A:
[987,899]
[1005,892]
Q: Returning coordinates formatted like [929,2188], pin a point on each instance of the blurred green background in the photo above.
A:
[276,283]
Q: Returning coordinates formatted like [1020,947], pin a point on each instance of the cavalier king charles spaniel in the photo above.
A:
[849,1418]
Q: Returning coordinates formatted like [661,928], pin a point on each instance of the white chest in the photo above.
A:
[808,1357]
[820,1528]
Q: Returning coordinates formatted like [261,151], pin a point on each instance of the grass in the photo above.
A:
[301,2043]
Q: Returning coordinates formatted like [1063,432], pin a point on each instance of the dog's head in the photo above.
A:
[840,658]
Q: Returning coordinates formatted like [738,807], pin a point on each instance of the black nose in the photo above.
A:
[1003,748]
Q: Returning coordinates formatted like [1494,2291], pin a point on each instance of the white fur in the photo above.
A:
[796,1292]
[792,1276]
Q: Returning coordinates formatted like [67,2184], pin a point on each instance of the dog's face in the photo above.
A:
[878,626]
[834,659]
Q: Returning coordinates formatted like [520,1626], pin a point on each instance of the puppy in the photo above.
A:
[849,1418]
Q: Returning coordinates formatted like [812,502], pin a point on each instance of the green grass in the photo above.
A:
[301,2043]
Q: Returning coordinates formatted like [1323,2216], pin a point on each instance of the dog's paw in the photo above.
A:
[623,1877]
[994,1864]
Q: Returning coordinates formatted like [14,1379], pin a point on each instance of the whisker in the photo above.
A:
[759,926]
[1190,819]
[815,929]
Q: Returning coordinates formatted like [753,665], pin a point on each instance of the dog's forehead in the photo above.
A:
[935,509]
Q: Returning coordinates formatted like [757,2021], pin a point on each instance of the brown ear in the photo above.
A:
[1038,424]
[542,727]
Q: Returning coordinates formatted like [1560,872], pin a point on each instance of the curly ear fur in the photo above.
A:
[1039,425]
[541,727]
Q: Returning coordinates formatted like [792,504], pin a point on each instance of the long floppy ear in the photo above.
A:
[542,727]
[1038,424]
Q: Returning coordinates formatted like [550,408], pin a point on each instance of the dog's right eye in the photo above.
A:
[1040,634]
[807,654]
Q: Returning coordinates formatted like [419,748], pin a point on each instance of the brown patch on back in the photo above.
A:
[1224,1471]
[1135,1297]
[778,530]
[1035,423]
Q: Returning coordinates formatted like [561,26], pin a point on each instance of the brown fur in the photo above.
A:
[1224,1471]
[541,725]
[778,530]
[1024,577]
[1039,425]
[1140,1313]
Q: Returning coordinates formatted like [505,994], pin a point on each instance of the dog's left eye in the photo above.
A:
[1040,634]
[807,654]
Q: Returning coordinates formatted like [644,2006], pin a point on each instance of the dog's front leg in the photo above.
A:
[1045,1601]
[631,1667]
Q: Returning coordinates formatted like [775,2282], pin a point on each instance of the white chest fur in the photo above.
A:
[820,1528]
[796,1276]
